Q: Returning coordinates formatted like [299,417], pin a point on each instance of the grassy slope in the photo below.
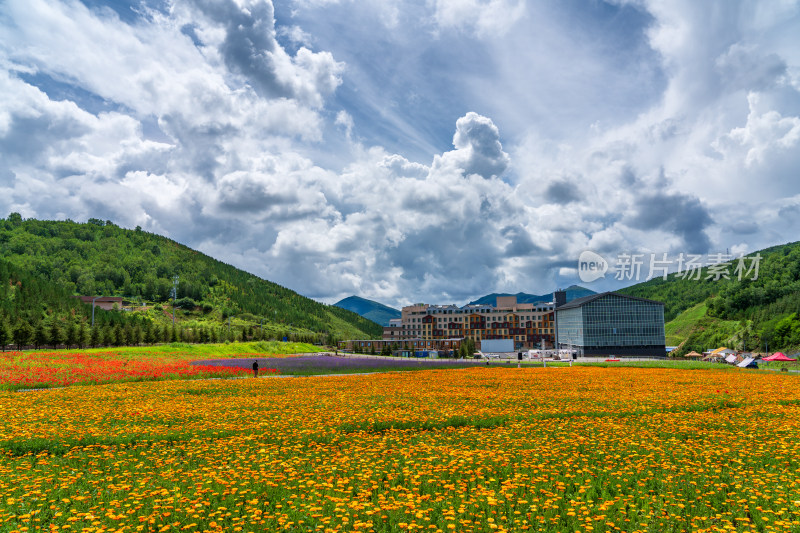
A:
[679,328]
[695,327]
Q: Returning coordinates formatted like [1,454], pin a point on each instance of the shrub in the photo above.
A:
[185,303]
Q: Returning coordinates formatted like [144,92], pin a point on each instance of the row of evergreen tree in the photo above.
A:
[464,351]
[57,334]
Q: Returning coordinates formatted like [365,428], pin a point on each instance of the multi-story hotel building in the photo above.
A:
[599,324]
[529,325]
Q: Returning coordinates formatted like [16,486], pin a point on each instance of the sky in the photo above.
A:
[410,150]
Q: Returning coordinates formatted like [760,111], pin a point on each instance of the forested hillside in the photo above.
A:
[100,258]
[35,311]
[748,313]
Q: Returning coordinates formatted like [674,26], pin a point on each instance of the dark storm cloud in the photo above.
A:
[191,223]
[249,41]
[459,254]
[562,192]
[29,137]
[190,31]
[744,226]
[201,146]
[742,67]
[677,213]
[520,242]
[252,196]
[789,212]
[627,177]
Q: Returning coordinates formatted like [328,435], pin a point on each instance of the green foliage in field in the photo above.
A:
[100,258]
[192,352]
[457,421]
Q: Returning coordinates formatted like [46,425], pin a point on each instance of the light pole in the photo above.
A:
[555,323]
[174,296]
[93,299]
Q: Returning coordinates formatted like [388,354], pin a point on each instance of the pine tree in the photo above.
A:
[95,336]
[119,336]
[41,335]
[71,336]
[158,334]
[84,337]
[109,336]
[5,333]
[129,334]
[56,333]
[23,333]
[138,334]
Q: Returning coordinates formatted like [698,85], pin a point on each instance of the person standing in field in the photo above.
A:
[255,369]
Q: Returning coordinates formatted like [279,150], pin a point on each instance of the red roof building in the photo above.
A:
[103,302]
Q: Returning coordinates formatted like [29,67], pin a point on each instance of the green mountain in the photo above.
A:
[759,310]
[375,311]
[573,292]
[100,258]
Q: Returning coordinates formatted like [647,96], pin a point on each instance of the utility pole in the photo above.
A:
[174,296]
[93,299]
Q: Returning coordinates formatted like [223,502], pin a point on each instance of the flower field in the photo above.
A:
[479,449]
[35,369]
[58,369]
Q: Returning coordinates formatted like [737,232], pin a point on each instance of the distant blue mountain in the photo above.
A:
[377,312]
[573,292]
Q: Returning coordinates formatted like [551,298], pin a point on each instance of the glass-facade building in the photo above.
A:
[611,324]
